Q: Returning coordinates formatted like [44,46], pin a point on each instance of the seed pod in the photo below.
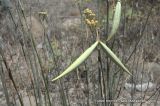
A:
[78,61]
[116,20]
[114,58]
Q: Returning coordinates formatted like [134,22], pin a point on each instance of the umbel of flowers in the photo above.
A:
[90,18]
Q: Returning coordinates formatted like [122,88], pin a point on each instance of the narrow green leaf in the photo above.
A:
[116,20]
[114,58]
[78,61]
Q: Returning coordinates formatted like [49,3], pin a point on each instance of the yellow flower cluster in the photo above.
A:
[90,18]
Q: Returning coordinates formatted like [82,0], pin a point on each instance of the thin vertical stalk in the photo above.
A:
[141,34]
[101,71]
[27,57]
[4,84]
[39,60]
[87,80]
[28,60]
[11,77]
[29,64]
[107,24]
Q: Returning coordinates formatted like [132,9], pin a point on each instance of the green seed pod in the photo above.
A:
[114,58]
[78,61]
[116,20]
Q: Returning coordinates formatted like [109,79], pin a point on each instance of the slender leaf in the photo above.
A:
[116,20]
[78,61]
[114,58]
